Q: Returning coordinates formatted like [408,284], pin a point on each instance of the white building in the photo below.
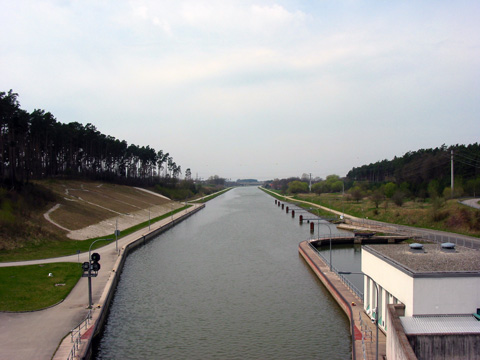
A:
[439,289]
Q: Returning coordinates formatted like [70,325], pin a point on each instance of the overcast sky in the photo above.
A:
[251,88]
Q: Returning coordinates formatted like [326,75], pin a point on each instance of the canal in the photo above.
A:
[227,283]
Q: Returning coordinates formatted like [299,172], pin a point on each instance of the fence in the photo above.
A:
[347,282]
[76,335]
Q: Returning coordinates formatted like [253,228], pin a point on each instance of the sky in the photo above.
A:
[251,88]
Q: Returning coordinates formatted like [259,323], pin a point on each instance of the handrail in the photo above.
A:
[347,282]
[76,337]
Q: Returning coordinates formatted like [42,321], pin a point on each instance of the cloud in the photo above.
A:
[247,79]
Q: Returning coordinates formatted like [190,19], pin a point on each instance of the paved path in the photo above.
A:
[472,202]
[36,335]
[351,304]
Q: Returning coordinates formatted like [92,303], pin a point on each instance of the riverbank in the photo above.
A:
[37,335]
[361,328]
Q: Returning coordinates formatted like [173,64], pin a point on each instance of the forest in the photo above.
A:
[422,173]
[418,170]
[35,146]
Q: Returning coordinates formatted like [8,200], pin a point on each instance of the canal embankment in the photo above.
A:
[361,328]
[78,343]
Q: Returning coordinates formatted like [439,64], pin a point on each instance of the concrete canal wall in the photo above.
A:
[311,258]
[360,323]
[100,312]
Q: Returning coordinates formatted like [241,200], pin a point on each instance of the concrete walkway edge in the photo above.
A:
[350,303]
[100,308]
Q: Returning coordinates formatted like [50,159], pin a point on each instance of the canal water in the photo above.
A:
[227,283]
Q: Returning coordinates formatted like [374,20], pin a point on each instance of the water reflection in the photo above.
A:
[346,258]
[227,283]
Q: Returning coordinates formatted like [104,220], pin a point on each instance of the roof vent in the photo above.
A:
[416,248]
[448,247]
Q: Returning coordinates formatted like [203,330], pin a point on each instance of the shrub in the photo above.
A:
[398,198]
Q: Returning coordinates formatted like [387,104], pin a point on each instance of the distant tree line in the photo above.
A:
[35,146]
[419,171]
[421,174]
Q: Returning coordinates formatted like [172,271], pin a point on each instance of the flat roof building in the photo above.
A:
[438,288]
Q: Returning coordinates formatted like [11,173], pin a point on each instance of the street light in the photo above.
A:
[376,305]
[330,230]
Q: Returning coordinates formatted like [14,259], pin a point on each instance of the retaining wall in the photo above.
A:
[306,252]
[109,290]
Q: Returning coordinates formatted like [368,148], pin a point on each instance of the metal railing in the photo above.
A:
[76,336]
[347,282]
[328,236]
[418,233]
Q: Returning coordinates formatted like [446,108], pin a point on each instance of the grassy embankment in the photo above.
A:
[49,248]
[316,211]
[440,215]
[26,288]
[212,196]
[26,235]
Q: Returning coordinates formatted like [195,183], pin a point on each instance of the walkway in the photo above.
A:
[351,304]
[472,203]
[36,335]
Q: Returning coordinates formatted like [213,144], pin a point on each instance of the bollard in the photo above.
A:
[283,206]
[312,227]
[275,201]
[287,209]
[279,203]
[300,219]
[293,213]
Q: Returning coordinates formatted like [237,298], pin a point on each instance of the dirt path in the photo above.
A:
[49,219]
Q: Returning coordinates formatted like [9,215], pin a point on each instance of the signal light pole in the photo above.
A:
[88,266]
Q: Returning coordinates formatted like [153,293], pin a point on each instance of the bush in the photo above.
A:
[296,187]
[398,198]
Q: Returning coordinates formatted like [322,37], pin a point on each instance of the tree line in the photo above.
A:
[427,170]
[35,146]
[423,173]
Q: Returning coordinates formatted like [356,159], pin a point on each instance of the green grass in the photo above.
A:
[55,248]
[450,216]
[27,288]
[318,212]
[208,198]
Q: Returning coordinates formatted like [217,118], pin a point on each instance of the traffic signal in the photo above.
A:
[94,259]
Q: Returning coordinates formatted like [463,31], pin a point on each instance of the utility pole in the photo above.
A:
[452,180]
[310,186]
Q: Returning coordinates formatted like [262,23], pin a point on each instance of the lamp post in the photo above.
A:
[90,272]
[330,230]
[376,305]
